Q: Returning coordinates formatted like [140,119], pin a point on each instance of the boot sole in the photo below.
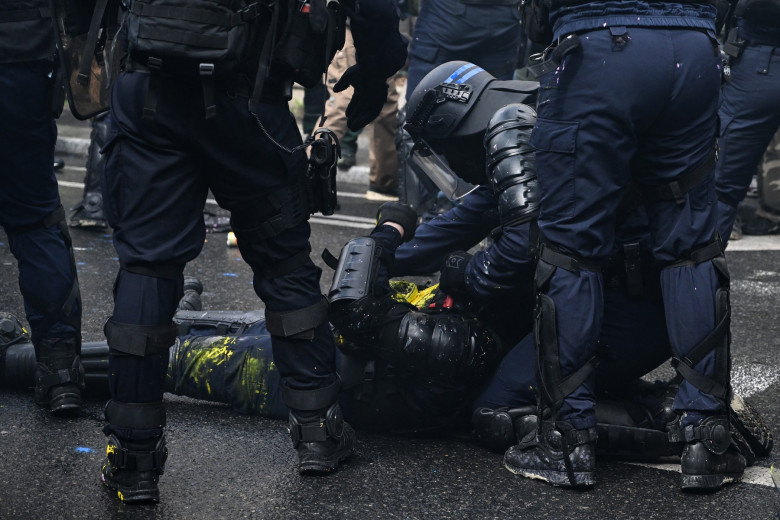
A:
[65,405]
[322,467]
[133,496]
[583,479]
[707,482]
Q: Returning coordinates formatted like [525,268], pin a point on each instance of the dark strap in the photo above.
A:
[264,62]
[568,262]
[553,56]
[60,377]
[685,365]
[570,383]
[311,400]
[166,271]
[329,259]
[187,14]
[150,100]
[139,340]
[710,251]
[135,416]
[299,323]
[207,84]
[676,189]
[632,260]
[91,44]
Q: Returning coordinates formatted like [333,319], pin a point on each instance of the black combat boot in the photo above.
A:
[709,458]
[133,467]
[59,376]
[557,453]
[319,433]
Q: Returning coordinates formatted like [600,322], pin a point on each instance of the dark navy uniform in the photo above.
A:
[30,208]
[749,113]
[486,33]
[156,180]
[631,96]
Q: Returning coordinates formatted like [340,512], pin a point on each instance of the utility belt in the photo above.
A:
[735,43]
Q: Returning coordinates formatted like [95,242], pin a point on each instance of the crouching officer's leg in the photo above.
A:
[709,458]
[296,313]
[47,278]
[139,335]
[562,451]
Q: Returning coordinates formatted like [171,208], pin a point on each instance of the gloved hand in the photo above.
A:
[452,278]
[367,100]
[399,213]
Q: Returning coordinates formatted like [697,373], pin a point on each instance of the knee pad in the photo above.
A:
[719,340]
[553,386]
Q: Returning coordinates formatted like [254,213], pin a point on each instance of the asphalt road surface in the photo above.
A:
[225,465]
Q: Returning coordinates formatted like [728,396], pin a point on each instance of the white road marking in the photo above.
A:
[758,475]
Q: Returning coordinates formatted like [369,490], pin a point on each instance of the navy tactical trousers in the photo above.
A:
[156,181]
[635,342]
[749,117]
[635,103]
[29,192]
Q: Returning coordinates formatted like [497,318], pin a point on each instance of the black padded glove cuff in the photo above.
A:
[400,214]
[452,278]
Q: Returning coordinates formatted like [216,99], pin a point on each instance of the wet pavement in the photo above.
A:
[225,465]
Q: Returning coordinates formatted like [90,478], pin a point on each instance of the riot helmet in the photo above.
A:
[448,114]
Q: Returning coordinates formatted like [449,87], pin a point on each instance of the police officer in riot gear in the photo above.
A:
[610,117]
[750,102]
[30,208]
[186,119]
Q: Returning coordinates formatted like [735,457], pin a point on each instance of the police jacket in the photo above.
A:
[26,32]
[575,16]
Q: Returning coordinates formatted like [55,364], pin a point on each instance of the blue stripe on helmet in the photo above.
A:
[460,71]
[469,74]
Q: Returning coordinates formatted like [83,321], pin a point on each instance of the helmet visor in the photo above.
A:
[425,161]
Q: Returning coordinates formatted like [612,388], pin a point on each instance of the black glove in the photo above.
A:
[367,100]
[400,214]
[452,278]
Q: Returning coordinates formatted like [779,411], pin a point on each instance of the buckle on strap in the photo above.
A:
[60,377]
[553,55]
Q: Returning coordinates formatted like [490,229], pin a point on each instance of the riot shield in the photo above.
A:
[84,40]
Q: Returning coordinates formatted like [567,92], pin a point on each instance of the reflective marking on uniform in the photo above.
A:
[468,75]
[464,68]
[757,475]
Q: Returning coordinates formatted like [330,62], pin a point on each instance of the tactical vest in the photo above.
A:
[211,38]
[26,32]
